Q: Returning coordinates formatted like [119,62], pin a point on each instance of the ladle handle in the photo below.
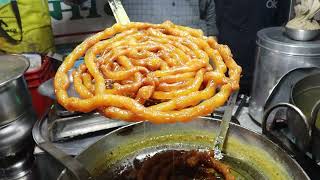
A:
[224,126]
[72,164]
[118,12]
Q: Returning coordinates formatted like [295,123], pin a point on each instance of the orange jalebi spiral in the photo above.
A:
[161,73]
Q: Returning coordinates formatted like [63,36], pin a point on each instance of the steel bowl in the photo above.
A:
[301,35]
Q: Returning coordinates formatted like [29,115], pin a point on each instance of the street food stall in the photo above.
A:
[142,100]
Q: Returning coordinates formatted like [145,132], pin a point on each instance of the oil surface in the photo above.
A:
[172,164]
[184,165]
[247,162]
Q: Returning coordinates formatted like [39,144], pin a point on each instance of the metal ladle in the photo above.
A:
[72,164]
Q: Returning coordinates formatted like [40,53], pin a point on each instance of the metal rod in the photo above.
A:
[224,126]
[119,12]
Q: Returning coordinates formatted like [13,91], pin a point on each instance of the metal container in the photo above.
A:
[276,54]
[17,167]
[315,143]
[302,117]
[16,118]
[14,94]
[274,126]
[305,95]
[16,135]
[301,34]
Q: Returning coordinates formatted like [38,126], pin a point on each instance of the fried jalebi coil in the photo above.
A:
[176,164]
[181,92]
[174,86]
[162,73]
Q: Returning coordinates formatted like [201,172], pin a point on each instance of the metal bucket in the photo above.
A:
[16,118]
[306,95]
[302,116]
[276,54]
[14,94]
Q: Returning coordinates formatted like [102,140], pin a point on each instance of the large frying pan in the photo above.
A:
[250,155]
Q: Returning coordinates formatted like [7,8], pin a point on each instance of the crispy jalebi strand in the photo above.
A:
[161,73]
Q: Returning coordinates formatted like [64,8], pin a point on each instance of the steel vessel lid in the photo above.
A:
[275,39]
[12,67]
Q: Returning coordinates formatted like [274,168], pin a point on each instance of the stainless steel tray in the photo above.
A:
[70,127]
[63,125]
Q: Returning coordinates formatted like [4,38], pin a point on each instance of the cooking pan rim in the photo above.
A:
[254,133]
[199,118]
[209,119]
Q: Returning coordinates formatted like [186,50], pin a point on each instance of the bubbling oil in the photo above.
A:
[184,165]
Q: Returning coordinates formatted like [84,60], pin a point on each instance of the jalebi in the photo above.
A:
[161,73]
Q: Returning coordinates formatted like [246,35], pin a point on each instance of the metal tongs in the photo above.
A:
[224,126]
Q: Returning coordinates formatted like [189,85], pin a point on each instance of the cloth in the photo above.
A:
[239,21]
[25,27]
[194,13]
[305,13]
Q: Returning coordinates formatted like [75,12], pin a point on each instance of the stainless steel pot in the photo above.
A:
[17,134]
[274,128]
[305,95]
[14,94]
[18,167]
[302,114]
[249,154]
[316,132]
[276,54]
[16,114]
[16,118]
